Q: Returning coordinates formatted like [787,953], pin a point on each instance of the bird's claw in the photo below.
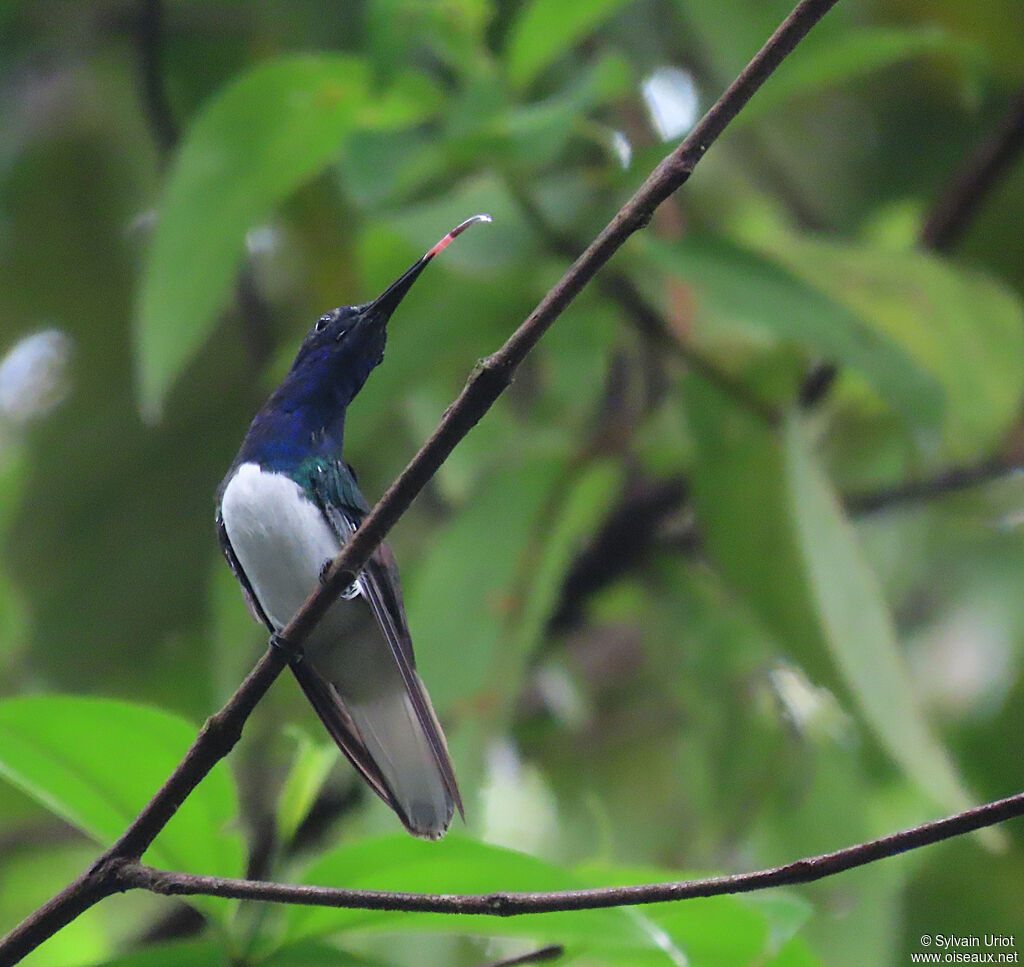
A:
[292,654]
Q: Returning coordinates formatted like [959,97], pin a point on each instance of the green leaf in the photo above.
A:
[317,954]
[194,953]
[829,60]
[460,865]
[722,930]
[579,513]
[961,327]
[546,29]
[859,629]
[310,768]
[29,877]
[796,953]
[742,502]
[775,527]
[745,287]
[251,146]
[210,953]
[97,762]
[462,592]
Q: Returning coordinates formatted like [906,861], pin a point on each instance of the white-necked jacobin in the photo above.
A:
[287,505]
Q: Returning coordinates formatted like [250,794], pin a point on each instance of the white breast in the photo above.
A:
[279,537]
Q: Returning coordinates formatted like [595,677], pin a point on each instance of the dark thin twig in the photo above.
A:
[136,876]
[623,541]
[491,376]
[620,288]
[182,921]
[256,316]
[931,488]
[156,106]
[551,952]
[815,386]
[634,526]
[953,213]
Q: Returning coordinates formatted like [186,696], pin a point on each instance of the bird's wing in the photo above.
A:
[251,601]
[378,584]
[324,698]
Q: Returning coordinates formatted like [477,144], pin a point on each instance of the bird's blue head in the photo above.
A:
[343,348]
[307,411]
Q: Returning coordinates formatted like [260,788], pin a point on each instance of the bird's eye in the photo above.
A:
[322,322]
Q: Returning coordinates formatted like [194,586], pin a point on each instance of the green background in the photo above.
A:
[749,669]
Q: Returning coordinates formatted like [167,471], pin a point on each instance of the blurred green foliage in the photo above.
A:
[741,674]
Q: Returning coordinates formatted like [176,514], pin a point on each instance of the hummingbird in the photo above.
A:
[288,504]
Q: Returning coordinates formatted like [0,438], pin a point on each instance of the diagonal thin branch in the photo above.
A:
[543,954]
[807,870]
[620,288]
[931,488]
[633,528]
[491,376]
[953,213]
[149,40]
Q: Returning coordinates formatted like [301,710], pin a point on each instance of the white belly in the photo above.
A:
[279,537]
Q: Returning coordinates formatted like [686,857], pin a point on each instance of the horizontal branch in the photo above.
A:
[138,876]
[931,488]
[634,527]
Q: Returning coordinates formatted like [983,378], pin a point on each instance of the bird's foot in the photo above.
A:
[292,654]
[351,590]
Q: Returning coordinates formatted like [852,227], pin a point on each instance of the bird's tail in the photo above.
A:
[382,731]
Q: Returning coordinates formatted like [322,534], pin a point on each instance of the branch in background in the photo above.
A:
[156,106]
[758,152]
[490,378]
[136,876]
[624,540]
[253,308]
[952,214]
[327,809]
[251,304]
[816,384]
[914,491]
[551,952]
[956,208]
[634,527]
[182,921]
[256,316]
[621,289]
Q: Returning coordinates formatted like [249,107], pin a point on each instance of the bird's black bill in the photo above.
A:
[387,301]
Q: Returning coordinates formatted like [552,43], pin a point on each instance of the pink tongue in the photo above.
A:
[453,234]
